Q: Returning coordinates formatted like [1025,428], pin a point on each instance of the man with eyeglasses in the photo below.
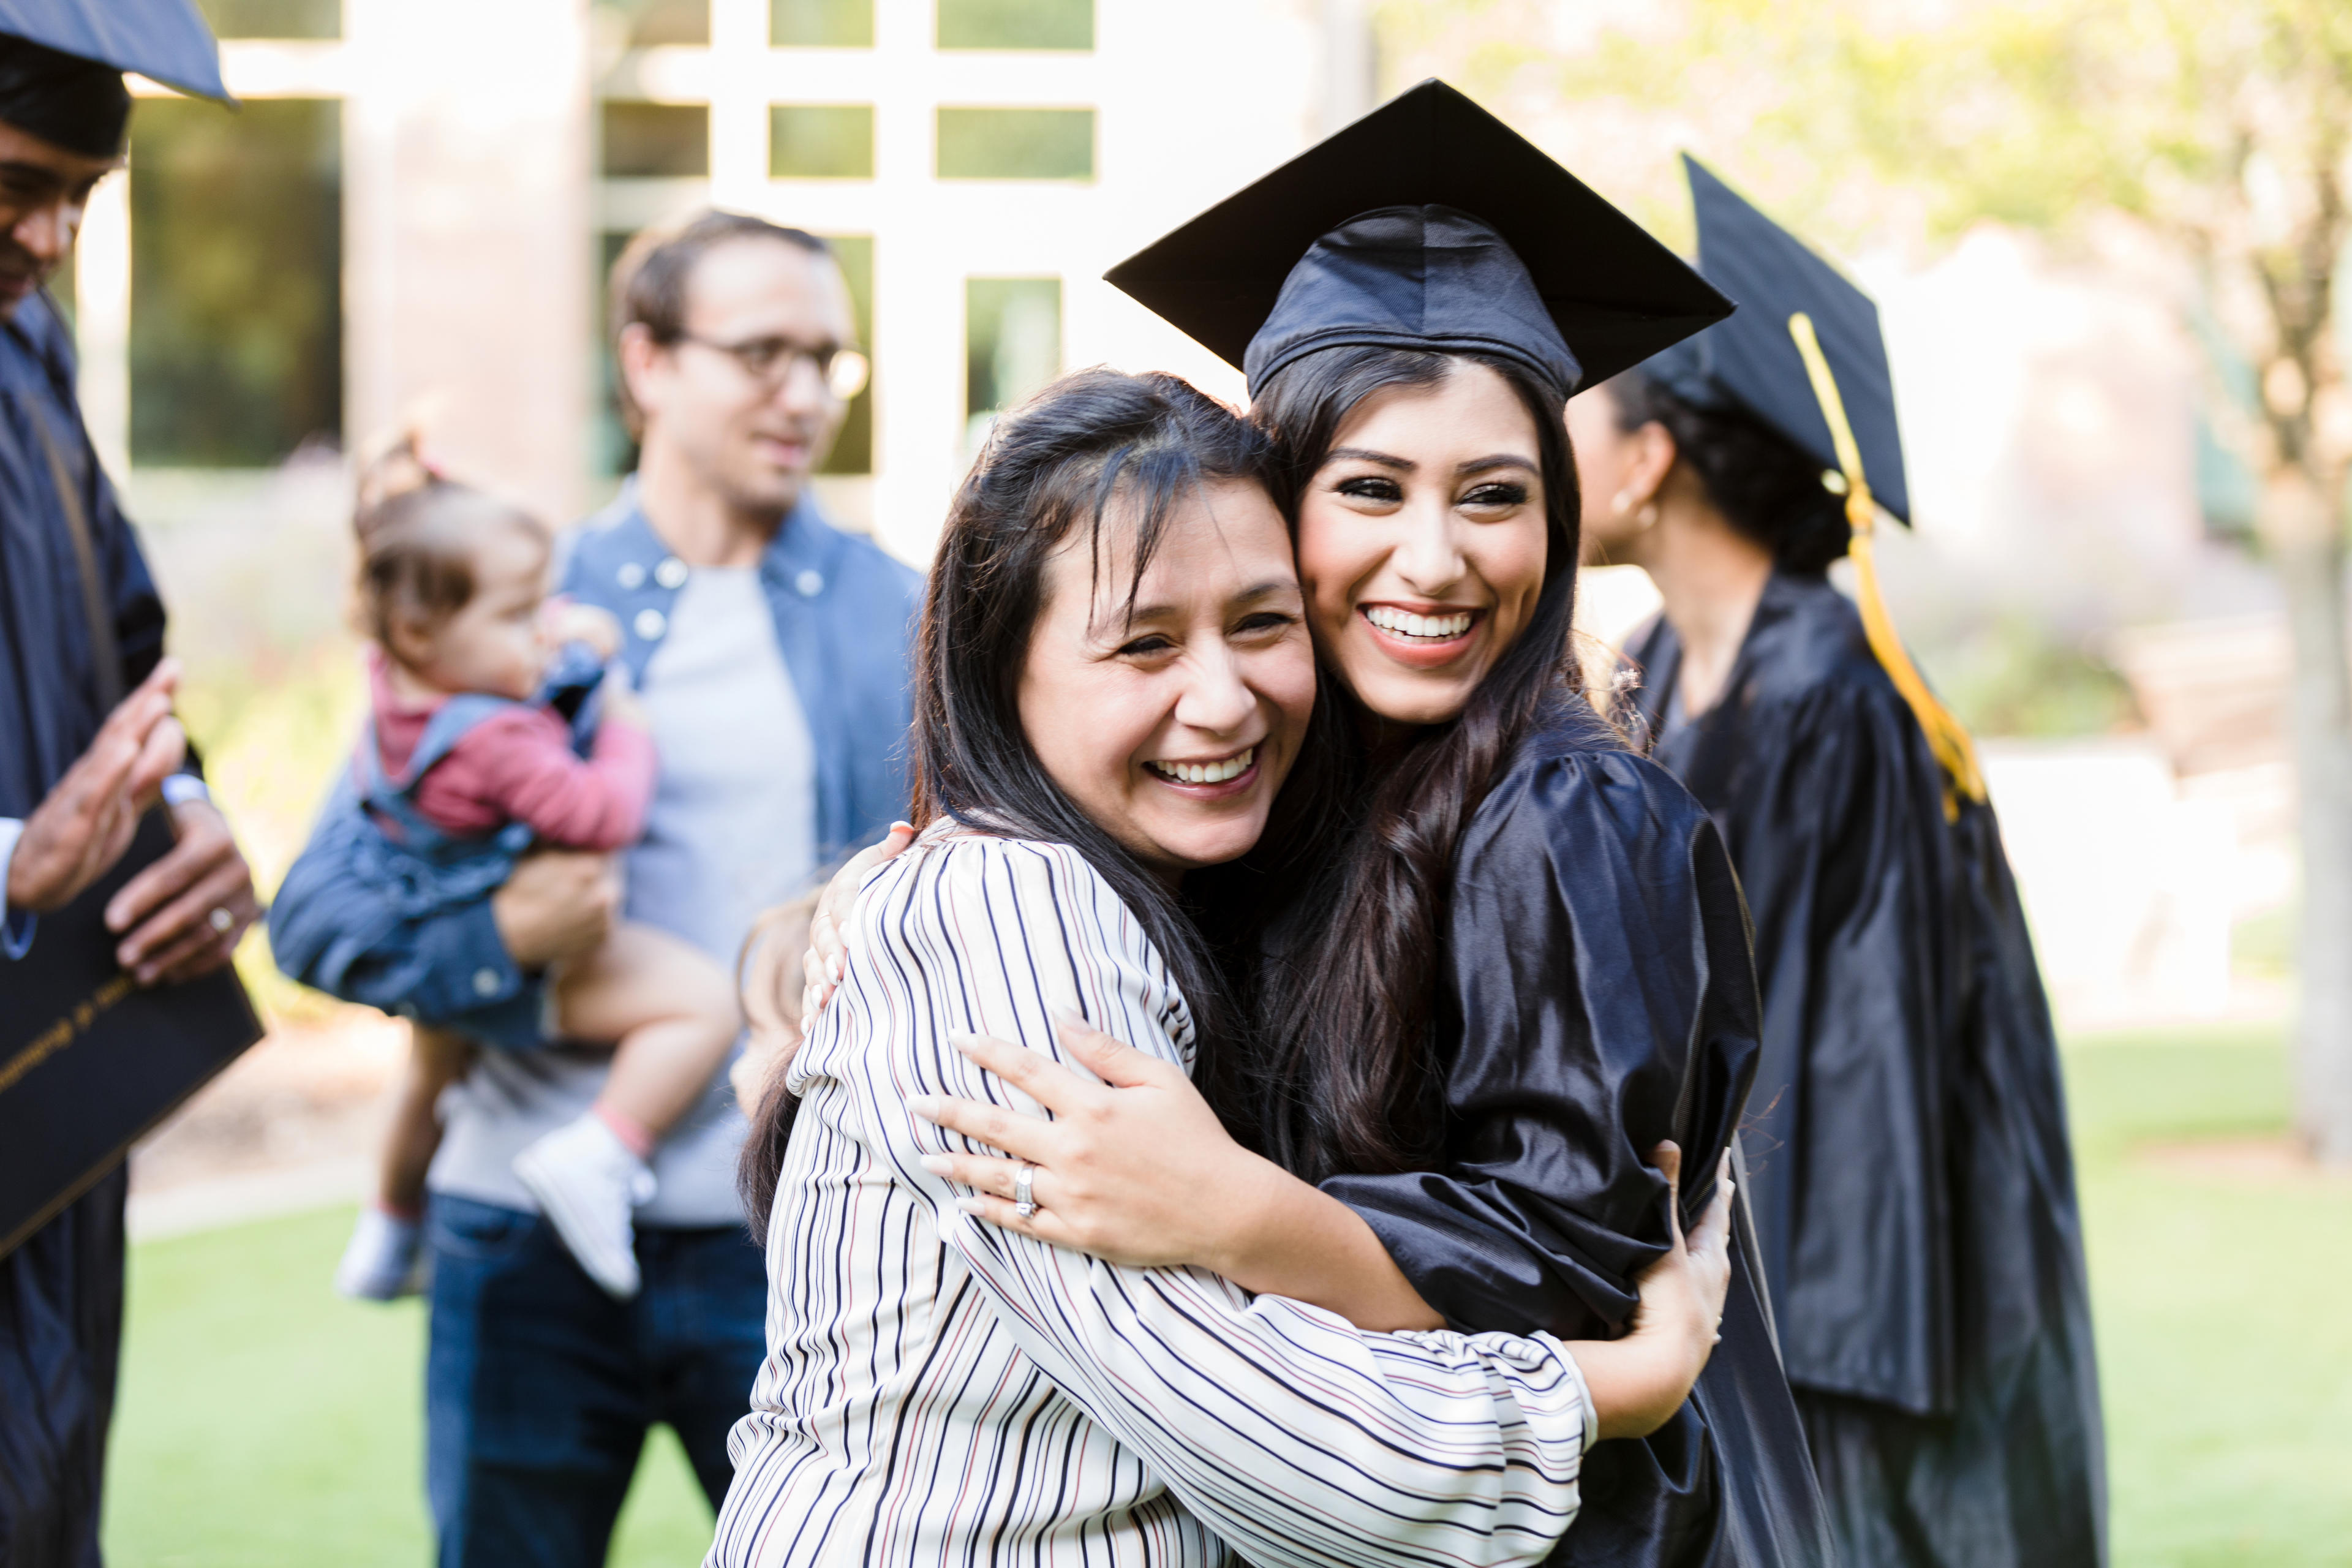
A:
[770,651]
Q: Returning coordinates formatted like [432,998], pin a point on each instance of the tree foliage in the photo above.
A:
[2224,126]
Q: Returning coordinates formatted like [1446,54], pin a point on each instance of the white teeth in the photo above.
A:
[1232,767]
[1404,622]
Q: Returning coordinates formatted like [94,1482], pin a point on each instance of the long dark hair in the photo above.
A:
[1347,1078]
[1762,483]
[1096,450]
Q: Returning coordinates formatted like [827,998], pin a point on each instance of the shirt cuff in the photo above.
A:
[179,789]
[464,964]
[15,925]
[1583,1392]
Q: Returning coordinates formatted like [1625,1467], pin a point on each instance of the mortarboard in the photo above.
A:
[1427,224]
[1805,356]
[61,65]
[165,40]
[1752,361]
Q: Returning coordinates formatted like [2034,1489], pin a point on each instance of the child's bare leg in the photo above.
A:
[436,1059]
[671,1013]
[384,1257]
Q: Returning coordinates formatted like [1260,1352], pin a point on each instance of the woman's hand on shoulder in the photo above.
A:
[828,949]
[1637,1382]
[775,974]
[1134,1167]
[766,982]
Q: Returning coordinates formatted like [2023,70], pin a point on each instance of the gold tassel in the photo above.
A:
[1945,737]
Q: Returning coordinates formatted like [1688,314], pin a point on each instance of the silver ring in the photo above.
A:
[222,921]
[1024,1200]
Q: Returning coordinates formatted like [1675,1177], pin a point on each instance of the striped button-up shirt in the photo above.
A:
[939,1391]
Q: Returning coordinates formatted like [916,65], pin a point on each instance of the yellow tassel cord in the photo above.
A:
[1946,737]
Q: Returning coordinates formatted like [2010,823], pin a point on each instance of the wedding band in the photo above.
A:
[1024,1200]
[221,920]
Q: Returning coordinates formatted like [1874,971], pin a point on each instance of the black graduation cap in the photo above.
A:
[1428,224]
[165,40]
[1752,361]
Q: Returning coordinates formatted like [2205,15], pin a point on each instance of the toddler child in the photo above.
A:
[462,767]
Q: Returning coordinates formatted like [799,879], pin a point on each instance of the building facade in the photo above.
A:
[409,218]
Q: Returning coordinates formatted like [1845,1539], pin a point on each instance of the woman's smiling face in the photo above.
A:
[1421,542]
[1173,726]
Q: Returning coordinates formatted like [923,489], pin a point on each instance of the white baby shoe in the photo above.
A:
[384,1259]
[588,1183]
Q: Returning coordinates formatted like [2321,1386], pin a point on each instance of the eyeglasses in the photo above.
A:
[842,371]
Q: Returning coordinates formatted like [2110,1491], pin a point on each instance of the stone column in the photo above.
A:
[469,255]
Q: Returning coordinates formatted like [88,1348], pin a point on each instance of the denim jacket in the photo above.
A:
[844,616]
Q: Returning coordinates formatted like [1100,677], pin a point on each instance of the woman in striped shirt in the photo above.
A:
[1114,680]
[1496,956]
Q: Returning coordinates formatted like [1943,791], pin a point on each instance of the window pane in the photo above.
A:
[1016,23]
[657,139]
[821,23]
[853,451]
[236,329]
[274,18]
[821,141]
[646,24]
[1011,345]
[1016,143]
[616,451]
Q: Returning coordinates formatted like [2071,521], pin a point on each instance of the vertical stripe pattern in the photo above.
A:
[940,1392]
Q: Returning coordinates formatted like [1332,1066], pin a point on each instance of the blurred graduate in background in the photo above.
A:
[81,626]
[1912,1186]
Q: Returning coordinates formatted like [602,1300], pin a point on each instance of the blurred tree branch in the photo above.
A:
[2224,127]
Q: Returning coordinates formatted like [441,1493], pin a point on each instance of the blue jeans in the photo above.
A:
[539,1388]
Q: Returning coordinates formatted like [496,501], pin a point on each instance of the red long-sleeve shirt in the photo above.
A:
[519,767]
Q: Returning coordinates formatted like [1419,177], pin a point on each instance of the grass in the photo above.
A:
[264,1422]
[2225,1348]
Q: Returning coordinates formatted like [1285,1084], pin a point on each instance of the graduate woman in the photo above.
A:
[1495,955]
[1917,1206]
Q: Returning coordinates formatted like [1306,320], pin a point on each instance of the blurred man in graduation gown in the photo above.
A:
[80,625]
[1913,1186]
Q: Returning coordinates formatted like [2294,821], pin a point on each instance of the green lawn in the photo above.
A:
[264,1422]
[2225,1337]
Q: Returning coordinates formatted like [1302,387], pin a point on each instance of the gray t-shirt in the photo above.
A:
[731,831]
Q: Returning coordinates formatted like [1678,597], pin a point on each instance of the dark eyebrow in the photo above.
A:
[39,173]
[823,342]
[1496,460]
[1273,587]
[1364,455]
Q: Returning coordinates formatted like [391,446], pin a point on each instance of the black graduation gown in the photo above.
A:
[1598,996]
[62,1292]
[1914,1189]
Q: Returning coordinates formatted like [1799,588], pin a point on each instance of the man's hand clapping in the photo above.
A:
[185,913]
[83,825]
